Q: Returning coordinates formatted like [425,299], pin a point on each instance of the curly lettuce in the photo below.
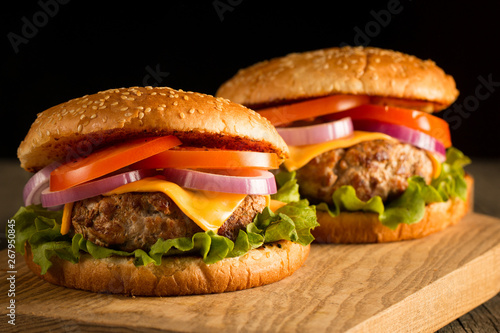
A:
[408,208]
[41,228]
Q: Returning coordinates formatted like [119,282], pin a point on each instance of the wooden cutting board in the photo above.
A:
[418,285]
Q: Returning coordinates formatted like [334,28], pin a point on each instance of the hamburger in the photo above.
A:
[364,144]
[157,192]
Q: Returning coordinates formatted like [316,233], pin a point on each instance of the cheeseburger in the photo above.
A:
[364,144]
[157,192]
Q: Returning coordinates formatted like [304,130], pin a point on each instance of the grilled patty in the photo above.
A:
[137,220]
[378,167]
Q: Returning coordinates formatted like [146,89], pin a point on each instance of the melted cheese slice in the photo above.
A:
[301,155]
[207,209]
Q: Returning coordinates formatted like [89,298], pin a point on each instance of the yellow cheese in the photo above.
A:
[274,205]
[301,155]
[435,164]
[207,209]
[66,218]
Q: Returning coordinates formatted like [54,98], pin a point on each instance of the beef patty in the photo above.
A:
[378,167]
[132,221]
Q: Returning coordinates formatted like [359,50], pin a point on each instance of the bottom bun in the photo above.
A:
[182,275]
[360,227]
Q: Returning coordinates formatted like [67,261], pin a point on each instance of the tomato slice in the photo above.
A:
[210,159]
[418,120]
[107,160]
[283,114]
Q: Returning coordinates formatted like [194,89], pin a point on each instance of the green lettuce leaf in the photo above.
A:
[41,229]
[288,189]
[409,208]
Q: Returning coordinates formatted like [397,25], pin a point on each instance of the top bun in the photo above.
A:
[77,127]
[346,70]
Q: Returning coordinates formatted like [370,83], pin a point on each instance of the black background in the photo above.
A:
[81,47]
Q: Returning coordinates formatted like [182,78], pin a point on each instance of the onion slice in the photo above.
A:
[258,182]
[92,188]
[32,191]
[404,134]
[307,135]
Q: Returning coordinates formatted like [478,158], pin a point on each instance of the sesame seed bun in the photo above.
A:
[76,127]
[347,70]
[176,275]
[363,227]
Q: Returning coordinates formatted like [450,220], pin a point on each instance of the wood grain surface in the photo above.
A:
[417,286]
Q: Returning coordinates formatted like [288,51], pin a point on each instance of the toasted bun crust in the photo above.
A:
[359,227]
[176,275]
[76,127]
[347,70]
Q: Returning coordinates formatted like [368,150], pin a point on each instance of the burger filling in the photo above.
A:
[372,168]
[133,221]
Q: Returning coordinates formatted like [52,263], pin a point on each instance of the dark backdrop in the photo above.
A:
[55,50]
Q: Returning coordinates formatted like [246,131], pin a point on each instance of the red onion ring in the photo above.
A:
[32,191]
[307,135]
[404,134]
[92,188]
[261,183]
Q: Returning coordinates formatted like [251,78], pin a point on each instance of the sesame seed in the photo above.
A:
[182,115]
[128,114]
[102,107]
[80,128]
[94,107]
[114,103]
[163,94]
[186,97]
[124,108]
[82,116]
[201,111]
[125,93]
[160,108]
[191,111]
[153,93]
[164,105]
[147,110]
[93,116]
[175,103]
[141,115]
[48,132]
[123,97]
